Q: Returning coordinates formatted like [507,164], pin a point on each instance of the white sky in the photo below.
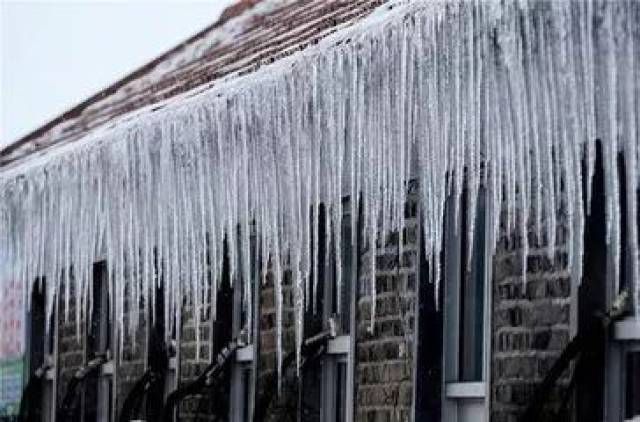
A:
[54,54]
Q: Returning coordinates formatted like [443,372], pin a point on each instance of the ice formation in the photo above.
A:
[510,95]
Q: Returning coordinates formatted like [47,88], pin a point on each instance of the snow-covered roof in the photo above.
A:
[249,34]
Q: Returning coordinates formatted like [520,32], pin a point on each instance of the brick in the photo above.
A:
[530,322]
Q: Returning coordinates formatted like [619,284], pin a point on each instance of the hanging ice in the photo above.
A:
[508,95]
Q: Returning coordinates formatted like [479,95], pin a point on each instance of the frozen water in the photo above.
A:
[459,94]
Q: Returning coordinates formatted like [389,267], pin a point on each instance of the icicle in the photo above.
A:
[505,97]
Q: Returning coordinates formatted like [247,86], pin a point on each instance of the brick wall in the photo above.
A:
[384,356]
[71,354]
[192,364]
[531,323]
[281,408]
[70,349]
[132,364]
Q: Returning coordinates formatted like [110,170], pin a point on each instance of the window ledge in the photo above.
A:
[245,354]
[628,329]
[339,345]
[466,390]
[107,368]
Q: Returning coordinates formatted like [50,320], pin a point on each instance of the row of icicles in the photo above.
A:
[510,96]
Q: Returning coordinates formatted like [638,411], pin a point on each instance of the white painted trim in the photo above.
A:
[246,357]
[455,392]
[107,368]
[173,363]
[353,313]
[466,390]
[341,349]
[245,354]
[488,298]
[339,345]
[56,347]
[628,329]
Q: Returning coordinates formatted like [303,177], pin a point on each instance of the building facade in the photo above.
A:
[341,211]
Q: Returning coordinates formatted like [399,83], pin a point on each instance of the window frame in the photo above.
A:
[624,335]
[625,338]
[246,357]
[106,378]
[337,353]
[50,397]
[455,392]
[340,349]
[172,374]
[171,342]
[49,354]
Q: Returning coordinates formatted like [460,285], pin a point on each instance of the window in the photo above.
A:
[243,376]
[592,301]
[623,371]
[172,375]
[428,375]
[98,388]
[632,384]
[465,312]
[622,365]
[327,394]
[158,355]
[41,353]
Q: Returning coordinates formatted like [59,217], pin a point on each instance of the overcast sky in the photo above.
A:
[54,54]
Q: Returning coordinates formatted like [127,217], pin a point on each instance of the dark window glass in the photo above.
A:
[90,399]
[37,325]
[325,268]
[99,335]
[632,386]
[98,342]
[625,262]
[246,392]
[241,312]
[472,295]
[324,378]
[341,391]
[314,312]
[98,398]
[311,392]
[430,344]
[592,296]
[347,257]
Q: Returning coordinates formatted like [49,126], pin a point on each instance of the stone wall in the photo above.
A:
[70,348]
[531,323]
[194,362]
[132,362]
[383,378]
[281,408]
[129,365]
[385,355]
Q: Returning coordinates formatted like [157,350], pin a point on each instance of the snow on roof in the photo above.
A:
[249,34]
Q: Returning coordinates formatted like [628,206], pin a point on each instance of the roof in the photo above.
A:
[249,34]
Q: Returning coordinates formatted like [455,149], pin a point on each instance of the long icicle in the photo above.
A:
[509,96]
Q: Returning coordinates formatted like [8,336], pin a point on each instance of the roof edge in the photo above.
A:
[227,14]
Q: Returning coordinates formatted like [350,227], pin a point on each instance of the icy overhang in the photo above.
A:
[459,95]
